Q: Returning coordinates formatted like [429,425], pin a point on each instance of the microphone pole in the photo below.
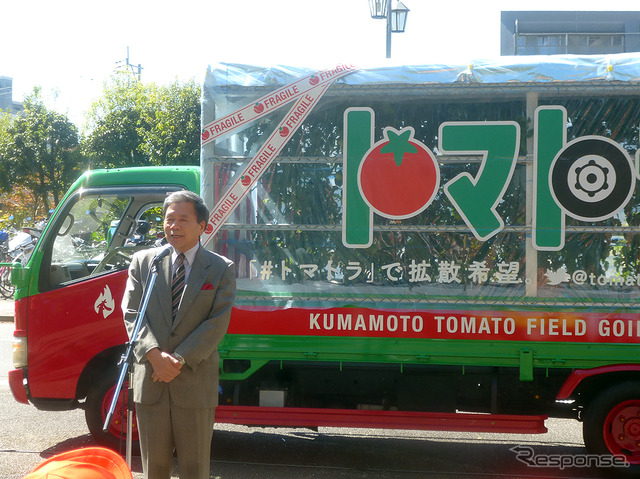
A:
[125,360]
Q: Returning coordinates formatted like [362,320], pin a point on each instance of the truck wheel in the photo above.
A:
[612,424]
[97,407]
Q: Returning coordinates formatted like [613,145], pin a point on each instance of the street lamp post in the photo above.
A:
[396,17]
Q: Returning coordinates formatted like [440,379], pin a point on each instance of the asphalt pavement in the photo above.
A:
[6,310]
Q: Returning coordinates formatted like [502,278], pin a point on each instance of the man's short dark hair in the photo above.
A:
[202,212]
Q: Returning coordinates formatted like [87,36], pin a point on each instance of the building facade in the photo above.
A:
[579,33]
[6,96]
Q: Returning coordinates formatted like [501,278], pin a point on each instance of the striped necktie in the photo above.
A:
[177,285]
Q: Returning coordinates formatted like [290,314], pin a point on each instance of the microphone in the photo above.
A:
[165,252]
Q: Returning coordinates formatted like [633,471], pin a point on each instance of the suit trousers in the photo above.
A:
[163,426]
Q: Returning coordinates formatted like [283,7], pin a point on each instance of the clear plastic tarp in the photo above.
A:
[524,69]
[289,233]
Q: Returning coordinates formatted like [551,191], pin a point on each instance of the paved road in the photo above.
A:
[6,310]
[29,436]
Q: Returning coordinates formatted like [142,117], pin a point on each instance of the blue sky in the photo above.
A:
[70,47]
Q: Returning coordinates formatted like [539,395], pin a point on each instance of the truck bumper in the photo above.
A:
[18,388]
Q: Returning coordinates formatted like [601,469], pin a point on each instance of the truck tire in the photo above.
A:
[96,410]
[612,424]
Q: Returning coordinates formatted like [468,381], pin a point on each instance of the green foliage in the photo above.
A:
[173,119]
[138,124]
[39,150]
[115,122]
[5,139]
[132,124]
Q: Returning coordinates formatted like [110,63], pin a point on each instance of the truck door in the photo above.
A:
[75,323]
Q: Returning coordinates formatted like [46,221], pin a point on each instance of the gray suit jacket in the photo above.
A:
[199,327]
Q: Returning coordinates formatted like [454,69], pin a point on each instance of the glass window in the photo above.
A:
[99,234]
[286,236]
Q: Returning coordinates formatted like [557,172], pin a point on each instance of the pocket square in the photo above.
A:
[207,286]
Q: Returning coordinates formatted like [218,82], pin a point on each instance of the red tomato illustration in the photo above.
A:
[205,135]
[314,80]
[245,180]
[284,131]
[399,176]
[258,107]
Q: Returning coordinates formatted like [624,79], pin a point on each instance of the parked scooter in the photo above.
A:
[22,243]
[20,247]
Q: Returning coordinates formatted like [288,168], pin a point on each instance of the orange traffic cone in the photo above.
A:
[86,463]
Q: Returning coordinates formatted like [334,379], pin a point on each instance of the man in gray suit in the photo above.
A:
[175,374]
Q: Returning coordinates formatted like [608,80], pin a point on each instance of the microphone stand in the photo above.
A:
[126,359]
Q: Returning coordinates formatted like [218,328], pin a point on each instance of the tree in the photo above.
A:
[5,136]
[173,137]
[137,124]
[116,121]
[40,151]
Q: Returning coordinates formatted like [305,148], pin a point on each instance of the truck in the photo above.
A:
[431,247]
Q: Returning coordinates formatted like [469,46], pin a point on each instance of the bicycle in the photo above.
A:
[7,289]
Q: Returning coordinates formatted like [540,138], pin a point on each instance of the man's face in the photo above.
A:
[181,226]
